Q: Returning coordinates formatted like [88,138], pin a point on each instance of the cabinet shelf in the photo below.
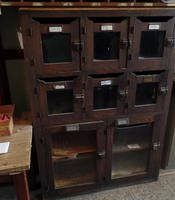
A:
[129,164]
[130,147]
[71,152]
[74,181]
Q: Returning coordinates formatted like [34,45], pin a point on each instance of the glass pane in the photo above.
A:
[56,47]
[74,172]
[129,164]
[130,150]
[146,93]
[71,151]
[105,97]
[106,45]
[152,44]
[60,101]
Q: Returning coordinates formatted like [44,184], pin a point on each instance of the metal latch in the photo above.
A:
[78,45]
[79,97]
[123,93]
[170,42]
[156,146]
[101,154]
[163,90]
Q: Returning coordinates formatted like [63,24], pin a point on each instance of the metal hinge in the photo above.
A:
[132,29]
[163,90]
[29,32]
[84,30]
[170,42]
[129,57]
[32,62]
[35,91]
[38,115]
[123,93]
[84,60]
[156,146]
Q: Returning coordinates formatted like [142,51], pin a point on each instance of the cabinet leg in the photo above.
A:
[21,186]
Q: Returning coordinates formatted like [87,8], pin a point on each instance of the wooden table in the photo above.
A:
[17,160]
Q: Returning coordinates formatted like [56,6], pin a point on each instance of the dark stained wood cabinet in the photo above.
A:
[100,83]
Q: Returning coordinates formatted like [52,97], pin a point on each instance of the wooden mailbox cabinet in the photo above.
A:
[100,85]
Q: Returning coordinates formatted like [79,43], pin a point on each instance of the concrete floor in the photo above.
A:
[163,189]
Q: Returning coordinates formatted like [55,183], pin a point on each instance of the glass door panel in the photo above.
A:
[146,93]
[60,101]
[150,47]
[56,46]
[74,158]
[106,45]
[105,50]
[131,150]
[106,97]
[152,44]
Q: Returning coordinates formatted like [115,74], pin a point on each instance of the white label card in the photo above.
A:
[123,121]
[58,87]
[55,29]
[4,147]
[108,82]
[154,26]
[134,146]
[106,27]
[72,127]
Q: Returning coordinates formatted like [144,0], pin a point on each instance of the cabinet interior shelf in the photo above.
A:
[75,181]
[130,147]
[71,152]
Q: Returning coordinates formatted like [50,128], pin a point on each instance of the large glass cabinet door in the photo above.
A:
[152,42]
[57,46]
[77,154]
[60,100]
[147,91]
[106,97]
[106,45]
[134,148]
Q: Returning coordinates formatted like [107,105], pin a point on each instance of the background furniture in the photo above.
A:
[17,161]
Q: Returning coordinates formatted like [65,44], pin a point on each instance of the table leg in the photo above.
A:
[21,186]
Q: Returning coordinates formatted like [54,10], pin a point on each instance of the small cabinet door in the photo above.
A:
[56,46]
[106,45]
[152,42]
[60,100]
[77,154]
[106,97]
[147,91]
[134,148]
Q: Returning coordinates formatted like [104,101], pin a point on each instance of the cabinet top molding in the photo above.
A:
[86,5]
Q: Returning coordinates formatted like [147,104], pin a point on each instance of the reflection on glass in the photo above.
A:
[71,151]
[105,97]
[152,44]
[146,93]
[130,150]
[74,172]
[106,45]
[56,47]
[60,101]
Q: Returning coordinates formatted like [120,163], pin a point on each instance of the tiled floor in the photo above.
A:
[163,189]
